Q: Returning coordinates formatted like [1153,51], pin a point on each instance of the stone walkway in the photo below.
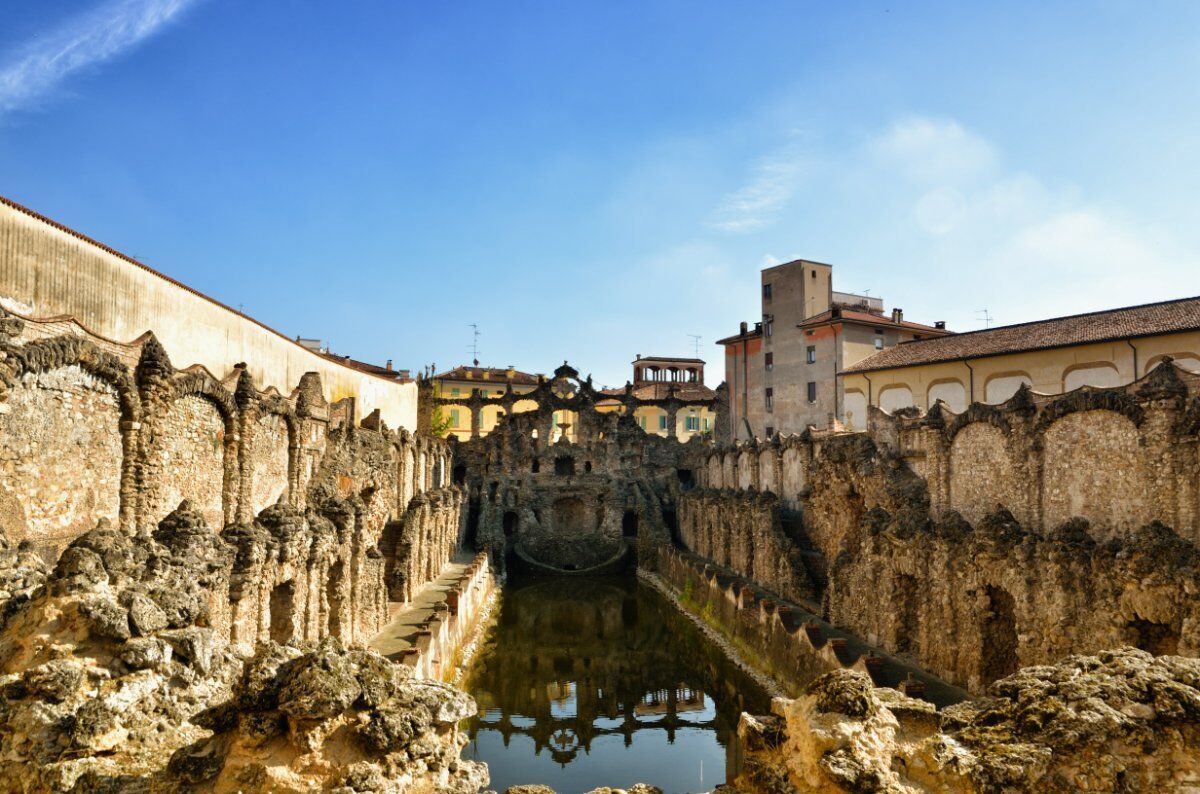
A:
[399,633]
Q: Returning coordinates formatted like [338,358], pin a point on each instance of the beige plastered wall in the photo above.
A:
[1046,370]
[46,271]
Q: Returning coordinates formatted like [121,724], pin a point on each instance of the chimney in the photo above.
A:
[743,329]
[940,325]
[389,365]
[639,356]
[897,315]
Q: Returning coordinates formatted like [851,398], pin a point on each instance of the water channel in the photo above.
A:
[589,682]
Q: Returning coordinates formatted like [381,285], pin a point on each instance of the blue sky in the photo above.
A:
[597,179]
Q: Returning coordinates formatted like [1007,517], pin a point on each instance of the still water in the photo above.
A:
[588,682]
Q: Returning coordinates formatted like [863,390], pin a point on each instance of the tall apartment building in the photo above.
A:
[782,374]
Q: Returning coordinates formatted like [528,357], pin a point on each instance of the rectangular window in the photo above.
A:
[769,326]
[454,417]
[879,343]
[770,395]
[769,360]
[766,292]
[706,424]
[812,354]
[770,431]
[662,423]
[692,423]
[454,392]
[812,391]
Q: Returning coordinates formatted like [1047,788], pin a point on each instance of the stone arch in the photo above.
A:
[982,474]
[1000,387]
[192,451]
[1096,374]
[109,473]
[1091,469]
[895,397]
[270,458]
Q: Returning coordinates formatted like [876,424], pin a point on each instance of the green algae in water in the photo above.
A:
[589,682]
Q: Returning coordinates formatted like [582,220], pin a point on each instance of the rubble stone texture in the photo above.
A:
[1120,721]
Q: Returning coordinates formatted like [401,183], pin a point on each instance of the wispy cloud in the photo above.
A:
[32,72]
[757,204]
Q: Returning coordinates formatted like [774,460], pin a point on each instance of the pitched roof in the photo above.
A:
[1129,322]
[678,359]
[841,314]
[492,374]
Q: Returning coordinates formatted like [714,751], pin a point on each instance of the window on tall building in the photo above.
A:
[770,431]
[769,326]
[812,354]
[769,360]
[812,391]
[766,292]
[770,396]
[454,392]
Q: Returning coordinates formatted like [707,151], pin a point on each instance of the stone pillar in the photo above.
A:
[1162,396]
[246,398]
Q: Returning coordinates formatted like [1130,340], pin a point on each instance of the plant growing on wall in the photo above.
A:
[439,417]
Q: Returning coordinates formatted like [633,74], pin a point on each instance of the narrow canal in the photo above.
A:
[589,682]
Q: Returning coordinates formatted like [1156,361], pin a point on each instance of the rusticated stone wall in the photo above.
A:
[1002,537]
[743,532]
[92,429]
[60,455]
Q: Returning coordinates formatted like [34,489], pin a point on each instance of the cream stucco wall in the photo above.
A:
[47,271]
[1047,371]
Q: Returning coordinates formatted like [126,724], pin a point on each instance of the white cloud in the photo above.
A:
[99,35]
[757,204]
[933,151]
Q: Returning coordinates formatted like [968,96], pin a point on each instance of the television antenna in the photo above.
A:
[987,318]
[696,343]
[474,344]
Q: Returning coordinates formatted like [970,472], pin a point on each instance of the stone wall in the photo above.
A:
[91,429]
[1005,536]
[60,455]
[743,532]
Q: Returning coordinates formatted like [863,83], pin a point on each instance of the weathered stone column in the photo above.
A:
[246,398]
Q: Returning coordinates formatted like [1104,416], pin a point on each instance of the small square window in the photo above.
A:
[769,360]
[769,327]
[812,354]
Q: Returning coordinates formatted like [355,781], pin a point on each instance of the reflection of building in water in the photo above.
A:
[572,660]
[678,700]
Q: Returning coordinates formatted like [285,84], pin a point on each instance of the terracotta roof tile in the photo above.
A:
[494,375]
[1079,329]
[867,318]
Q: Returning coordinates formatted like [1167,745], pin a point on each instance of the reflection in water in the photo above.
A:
[599,682]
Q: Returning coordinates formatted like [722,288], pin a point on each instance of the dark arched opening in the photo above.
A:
[629,524]
[1156,638]
[283,612]
[459,474]
[564,466]
[510,524]
[672,523]
[999,634]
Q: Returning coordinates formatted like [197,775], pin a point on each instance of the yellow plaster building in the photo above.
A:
[491,382]
[654,378]
[1102,349]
